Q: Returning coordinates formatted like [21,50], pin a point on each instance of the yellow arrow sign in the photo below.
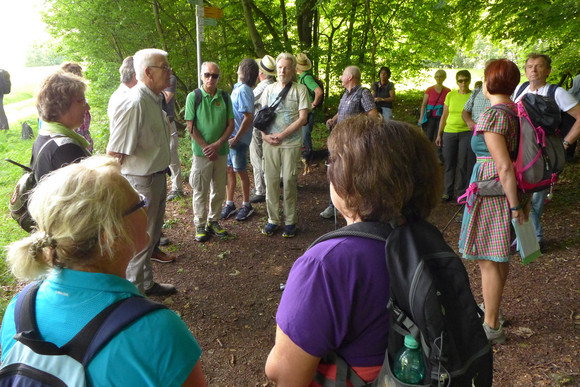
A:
[213,12]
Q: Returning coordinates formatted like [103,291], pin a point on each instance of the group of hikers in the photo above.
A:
[99,218]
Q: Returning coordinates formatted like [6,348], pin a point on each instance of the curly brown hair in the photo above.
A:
[56,93]
[383,170]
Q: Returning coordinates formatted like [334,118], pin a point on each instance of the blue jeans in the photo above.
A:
[387,113]
[238,157]
[307,133]
[538,200]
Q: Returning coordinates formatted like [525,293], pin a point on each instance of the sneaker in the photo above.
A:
[174,195]
[257,198]
[269,229]
[245,212]
[328,213]
[494,336]
[289,231]
[160,256]
[201,234]
[229,210]
[500,316]
[160,290]
[215,229]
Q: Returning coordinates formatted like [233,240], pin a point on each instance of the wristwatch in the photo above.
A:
[566,144]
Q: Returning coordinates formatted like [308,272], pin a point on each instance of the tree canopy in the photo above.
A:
[406,35]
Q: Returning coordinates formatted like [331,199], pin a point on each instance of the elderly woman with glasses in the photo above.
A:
[336,292]
[90,223]
[61,105]
[454,136]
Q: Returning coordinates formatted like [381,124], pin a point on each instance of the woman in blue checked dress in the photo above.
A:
[485,231]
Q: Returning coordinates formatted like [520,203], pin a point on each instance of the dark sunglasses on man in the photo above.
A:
[212,75]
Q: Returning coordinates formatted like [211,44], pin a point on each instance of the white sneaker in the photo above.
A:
[500,315]
[328,213]
[494,336]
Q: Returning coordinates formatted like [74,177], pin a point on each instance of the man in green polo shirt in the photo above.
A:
[210,126]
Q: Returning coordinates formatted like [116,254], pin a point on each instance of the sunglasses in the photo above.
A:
[164,68]
[142,203]
[212,75]
[463,80]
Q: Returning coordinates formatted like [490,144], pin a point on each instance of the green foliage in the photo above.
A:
[42,55]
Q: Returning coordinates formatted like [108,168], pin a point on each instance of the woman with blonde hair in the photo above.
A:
[90,222]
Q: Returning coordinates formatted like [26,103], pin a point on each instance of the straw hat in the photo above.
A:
[302,62]
[267,65]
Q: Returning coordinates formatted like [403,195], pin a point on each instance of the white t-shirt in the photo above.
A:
[564,99]
[575,90]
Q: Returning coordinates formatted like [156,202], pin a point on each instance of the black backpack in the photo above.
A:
[430,298]
[35,362]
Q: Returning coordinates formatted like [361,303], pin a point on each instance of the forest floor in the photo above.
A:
[229,290]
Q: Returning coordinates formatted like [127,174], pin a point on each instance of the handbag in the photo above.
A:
[267,114]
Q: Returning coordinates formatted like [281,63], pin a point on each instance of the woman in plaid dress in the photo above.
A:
[485,232]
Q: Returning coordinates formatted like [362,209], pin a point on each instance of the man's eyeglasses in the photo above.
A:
[463,80]
[212,75]
[142,203]
[164,68]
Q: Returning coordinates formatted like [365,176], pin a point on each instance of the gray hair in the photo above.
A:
[79,210]
[127,70]
[248,71]
[204,66]
[145,58]
[287,56]
[354,71]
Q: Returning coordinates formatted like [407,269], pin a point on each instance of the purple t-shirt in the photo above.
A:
[336,298]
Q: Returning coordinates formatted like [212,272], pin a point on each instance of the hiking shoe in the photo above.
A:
[162,257]
[500,316]
[229,210]
[494,336]
[328,213]
[201,234]
[269,229]
[160,290]
[257,198]
[215,229]
[245,212]
[289,231]
[174,195]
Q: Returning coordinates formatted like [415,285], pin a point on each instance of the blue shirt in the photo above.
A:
[242,102]
[156,350]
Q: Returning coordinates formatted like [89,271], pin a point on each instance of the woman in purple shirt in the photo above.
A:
[336,295]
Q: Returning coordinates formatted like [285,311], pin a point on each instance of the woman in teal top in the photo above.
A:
[90,224]
[454,136]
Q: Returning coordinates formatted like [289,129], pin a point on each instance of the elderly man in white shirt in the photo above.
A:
[140,140]
[128,80]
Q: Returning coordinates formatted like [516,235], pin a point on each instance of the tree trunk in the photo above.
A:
[284,23]
[304,17]
[351,22]
[254,35]
[158,24]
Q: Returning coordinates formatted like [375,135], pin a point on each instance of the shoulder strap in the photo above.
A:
[371,230]
[552,91]
[91,338]
[521,89]
[33,166]
[226,99]
[197,102]
[281,96]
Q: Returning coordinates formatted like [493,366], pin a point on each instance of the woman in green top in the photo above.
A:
[454,135]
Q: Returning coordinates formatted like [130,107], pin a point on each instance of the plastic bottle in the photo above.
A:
[409,366]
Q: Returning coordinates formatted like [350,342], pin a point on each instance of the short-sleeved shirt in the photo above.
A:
[456,102]
[258,90]
[476,104]
[212,118]
[115,101]
[383,91]
[575,89]
[307,79]
[436,100]
[156,350]
[564,100]
[243,102]
[335,300]
[58,152]
[140,129]
[357,100]
[288,110]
